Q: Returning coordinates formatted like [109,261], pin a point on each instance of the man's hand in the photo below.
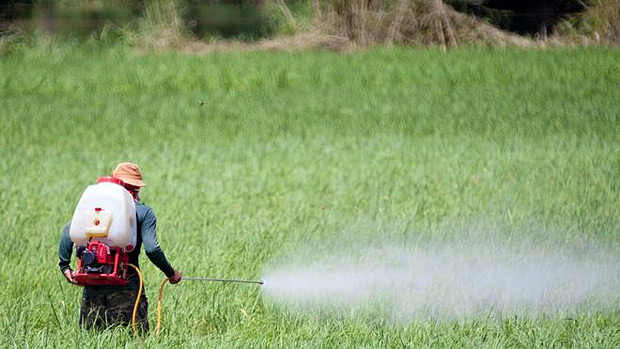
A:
[68,273]
[174,279]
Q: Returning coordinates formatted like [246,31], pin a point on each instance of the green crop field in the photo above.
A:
[249,156]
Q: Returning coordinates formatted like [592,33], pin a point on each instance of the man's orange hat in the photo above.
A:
[129,173]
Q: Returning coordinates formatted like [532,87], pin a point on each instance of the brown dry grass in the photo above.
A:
[347,25]
[299,42]
[405,22]
[603,19]
[598,25]
[338,25]
[161,28]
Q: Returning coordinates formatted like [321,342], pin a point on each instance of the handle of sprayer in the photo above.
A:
[236,281]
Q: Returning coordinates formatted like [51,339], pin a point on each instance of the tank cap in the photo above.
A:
[110,179]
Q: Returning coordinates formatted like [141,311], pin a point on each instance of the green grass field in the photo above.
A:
[249,156]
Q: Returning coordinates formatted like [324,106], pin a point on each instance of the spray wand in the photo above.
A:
[194,278]
[190,278]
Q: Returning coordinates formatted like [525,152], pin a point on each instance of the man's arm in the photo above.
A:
[151,246]
[65,249]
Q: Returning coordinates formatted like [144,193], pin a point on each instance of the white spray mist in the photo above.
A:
[448,281]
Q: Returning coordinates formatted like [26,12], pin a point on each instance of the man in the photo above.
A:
[103,306]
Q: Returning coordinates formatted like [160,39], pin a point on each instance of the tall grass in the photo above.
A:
[249,156]
[419,22]
[602,21]
[341,25]
[434,23]
[599,24]
[160,28]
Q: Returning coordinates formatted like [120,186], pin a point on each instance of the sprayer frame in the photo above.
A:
[116,257]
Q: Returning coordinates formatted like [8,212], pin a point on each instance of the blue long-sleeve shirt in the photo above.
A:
[146,226]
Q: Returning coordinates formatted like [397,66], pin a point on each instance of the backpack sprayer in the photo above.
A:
[103,228]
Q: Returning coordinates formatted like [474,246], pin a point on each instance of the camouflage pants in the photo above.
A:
[114,308]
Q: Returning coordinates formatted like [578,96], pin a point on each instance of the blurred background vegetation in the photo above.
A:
[179,23]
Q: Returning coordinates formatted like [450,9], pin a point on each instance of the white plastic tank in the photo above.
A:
[106,212]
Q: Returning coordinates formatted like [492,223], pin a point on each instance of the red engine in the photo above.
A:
[99,265]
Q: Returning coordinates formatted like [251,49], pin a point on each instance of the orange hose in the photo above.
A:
[161,296]
[135,306]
